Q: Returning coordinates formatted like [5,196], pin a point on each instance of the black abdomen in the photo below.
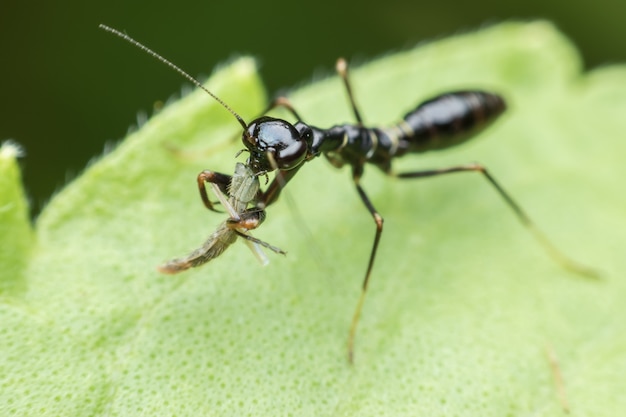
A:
[448,120]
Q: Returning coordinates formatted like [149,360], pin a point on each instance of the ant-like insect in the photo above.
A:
[274,144]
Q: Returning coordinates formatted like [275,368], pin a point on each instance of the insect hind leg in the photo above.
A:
[558,256]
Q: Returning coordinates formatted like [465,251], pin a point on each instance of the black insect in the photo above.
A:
[442,122]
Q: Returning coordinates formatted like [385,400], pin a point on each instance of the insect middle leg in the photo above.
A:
[558,256]
[357,172]
[378,220]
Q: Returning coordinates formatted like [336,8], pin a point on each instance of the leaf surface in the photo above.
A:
[466,315]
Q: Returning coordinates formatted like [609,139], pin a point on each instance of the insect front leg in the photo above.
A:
[558,256]
[221,180]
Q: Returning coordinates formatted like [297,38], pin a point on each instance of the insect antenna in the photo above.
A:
[175,68]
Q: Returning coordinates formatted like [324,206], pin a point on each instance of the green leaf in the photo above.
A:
[15,229]
[466,315]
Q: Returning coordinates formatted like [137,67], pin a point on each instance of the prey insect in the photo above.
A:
[242,189]
[441,122]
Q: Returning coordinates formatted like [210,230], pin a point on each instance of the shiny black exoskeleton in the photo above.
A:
[441,122]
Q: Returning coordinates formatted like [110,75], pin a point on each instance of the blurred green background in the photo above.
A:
[69,89]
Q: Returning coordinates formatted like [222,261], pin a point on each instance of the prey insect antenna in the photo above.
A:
[175,68]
